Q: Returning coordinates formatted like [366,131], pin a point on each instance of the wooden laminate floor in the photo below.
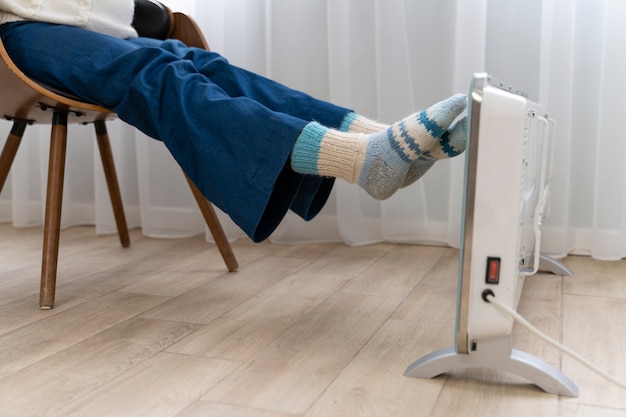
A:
[161,329]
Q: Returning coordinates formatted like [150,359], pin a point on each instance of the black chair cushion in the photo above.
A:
[151,19]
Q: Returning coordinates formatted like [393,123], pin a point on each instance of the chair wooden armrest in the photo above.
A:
[185,29]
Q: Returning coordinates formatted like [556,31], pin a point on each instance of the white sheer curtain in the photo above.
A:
[385,59]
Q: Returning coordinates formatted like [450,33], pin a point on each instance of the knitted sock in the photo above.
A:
[378,162]
[452,143]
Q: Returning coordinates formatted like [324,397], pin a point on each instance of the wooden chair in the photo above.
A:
[25,102]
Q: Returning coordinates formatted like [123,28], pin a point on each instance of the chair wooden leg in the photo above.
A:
[10,150]
[112,183]
[215,227]
[54,200]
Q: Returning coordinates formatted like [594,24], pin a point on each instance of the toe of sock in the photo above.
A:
[446,111]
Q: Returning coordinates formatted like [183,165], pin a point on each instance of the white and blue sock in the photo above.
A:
[452,143]
[379,162]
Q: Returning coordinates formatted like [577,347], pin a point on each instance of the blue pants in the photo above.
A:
[230,130]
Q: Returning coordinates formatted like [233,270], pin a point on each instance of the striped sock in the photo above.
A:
[379,162]
[451,144]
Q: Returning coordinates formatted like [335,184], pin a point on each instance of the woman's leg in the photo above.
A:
[238,151]
[238,82]
[235,149]
[312,191]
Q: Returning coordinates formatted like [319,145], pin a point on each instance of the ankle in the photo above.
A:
[328,152]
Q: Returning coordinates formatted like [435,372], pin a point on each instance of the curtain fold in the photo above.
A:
[385,59]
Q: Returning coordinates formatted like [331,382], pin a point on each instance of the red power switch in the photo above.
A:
[493,270]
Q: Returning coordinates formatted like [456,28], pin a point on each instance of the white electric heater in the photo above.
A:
[506,196]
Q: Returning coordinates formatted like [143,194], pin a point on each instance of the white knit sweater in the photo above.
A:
[111,17]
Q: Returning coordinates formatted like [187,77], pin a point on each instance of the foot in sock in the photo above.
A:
[378,162]
[451,143]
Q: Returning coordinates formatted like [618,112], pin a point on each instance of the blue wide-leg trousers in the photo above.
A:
[230,130]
